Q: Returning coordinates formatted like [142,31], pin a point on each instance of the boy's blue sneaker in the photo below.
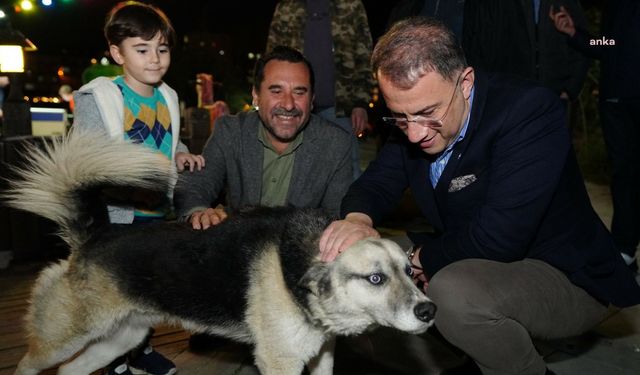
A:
[123,369]
[151,362]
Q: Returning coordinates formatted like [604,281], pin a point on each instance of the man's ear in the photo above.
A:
[115,54]
[254,96]
[317,279]
[468,78]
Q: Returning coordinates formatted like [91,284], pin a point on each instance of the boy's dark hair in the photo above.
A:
[130,19]
[281,53]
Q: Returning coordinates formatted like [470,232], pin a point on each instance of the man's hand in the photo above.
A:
[208,218]
[359,119]
[562,21]
[341,234]
[187,160]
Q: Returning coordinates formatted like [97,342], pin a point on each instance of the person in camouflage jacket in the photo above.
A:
[352,45]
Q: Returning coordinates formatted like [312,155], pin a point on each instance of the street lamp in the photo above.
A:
[16,114]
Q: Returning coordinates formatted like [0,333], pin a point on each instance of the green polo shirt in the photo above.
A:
[276,170]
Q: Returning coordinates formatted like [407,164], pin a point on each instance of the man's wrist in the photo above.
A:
[359,218]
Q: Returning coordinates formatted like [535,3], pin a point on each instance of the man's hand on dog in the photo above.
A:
[341,234]
[208,218]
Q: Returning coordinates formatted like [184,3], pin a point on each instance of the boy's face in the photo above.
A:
[144,62]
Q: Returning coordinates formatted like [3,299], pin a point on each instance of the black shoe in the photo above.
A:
[152,363]
[123,369]
[202,342]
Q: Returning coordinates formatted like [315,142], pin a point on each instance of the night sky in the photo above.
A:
[70,33]
[75,27]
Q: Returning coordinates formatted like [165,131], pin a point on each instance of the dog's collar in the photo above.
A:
[411,253]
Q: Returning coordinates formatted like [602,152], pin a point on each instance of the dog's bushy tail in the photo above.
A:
[64,180]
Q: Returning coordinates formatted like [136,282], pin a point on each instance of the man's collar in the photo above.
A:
[263,137]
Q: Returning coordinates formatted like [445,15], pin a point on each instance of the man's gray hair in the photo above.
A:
[414,47]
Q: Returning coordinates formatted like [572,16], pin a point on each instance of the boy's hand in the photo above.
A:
[207,218]
[187,160]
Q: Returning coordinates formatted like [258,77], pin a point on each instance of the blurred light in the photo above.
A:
[2,14]
[26,5]
[104,61]
[370,105]
[45,99]
[94,61]
[11,59]
[221,52]
[46,2]
[251,55]
[60,72]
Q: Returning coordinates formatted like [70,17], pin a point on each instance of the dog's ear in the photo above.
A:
[317,279]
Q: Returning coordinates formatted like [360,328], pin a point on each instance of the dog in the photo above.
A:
[255,278]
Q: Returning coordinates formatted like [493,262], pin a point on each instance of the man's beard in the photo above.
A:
[283,112]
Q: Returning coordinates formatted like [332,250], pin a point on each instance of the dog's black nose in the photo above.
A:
[425,311]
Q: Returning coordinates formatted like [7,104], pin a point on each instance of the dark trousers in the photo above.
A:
[621,131]
[491,310]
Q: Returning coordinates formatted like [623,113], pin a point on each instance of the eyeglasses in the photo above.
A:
[403,122]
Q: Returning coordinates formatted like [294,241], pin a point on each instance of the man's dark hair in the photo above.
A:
[130,19]
[414,47]
[281,53]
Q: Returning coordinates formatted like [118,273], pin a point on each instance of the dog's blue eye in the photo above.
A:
[375,278]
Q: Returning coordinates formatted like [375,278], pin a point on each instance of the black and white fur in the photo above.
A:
[256,278]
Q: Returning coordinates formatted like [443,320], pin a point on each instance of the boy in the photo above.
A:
[139,107]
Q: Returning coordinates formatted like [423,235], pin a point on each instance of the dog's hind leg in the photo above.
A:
[277,364]
[53,330]
[100,353]
[322,364]
[40,357]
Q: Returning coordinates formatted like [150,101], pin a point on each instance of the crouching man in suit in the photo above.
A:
[518,251]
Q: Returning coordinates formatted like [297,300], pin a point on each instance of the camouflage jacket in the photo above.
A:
[352,46]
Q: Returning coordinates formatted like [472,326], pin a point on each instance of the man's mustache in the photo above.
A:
[284,112]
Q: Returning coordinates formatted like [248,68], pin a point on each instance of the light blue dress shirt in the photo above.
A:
[441,161]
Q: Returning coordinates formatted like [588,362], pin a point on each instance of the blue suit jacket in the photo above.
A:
[511,190]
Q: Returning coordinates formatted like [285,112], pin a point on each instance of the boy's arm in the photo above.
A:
[86,113]
[181,147]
